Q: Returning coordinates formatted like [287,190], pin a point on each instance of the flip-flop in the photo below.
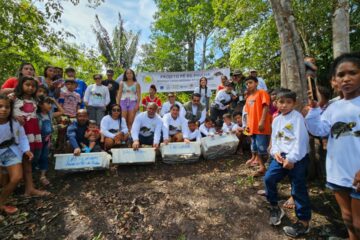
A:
[8,209]
[44,181]
[289,204]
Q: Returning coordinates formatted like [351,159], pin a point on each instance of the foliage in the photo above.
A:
[121,50]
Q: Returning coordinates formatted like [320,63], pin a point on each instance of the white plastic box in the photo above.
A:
[219,146]
[84,162]
[180,152]
[129,156]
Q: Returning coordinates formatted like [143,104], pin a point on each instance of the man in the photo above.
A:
[146,128]
[113,87]
[81,85]
[237,78]
[194,110]
[76,133]
[261,81]
[171,101]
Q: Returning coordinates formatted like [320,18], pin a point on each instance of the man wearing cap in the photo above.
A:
[237,79]
[81,85]
[222,101]
[194,110]
[261,81]
[113,87]
[171,101]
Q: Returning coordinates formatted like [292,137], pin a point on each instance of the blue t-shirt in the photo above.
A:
[81,90]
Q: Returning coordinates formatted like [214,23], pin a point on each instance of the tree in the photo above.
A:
[121,50]
[340,28]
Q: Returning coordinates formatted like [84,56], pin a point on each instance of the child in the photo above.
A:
[24,112]
[228,126]
[93,135]
[289,156]
[13,145]
[42,91]
[244,140]
[194,133]
[207,129]
[218,127]
[45,116]
[341,123]
[258,123]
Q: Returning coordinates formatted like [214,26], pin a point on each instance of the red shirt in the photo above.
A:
[10,83]
[147,100]
[220,87]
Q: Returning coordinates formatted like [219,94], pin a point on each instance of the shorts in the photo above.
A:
[127,104]
[337,188]
[9,158]
[260,143]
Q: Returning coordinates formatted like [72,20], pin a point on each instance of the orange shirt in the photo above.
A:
[254,107]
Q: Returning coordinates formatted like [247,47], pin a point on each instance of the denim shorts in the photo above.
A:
[337,188]
[9,158]
[260,143]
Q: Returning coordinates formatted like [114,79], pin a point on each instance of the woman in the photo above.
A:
[96,98]
[129,96]
[26,69]
[113,127]
[175,127]
[222,84]
[47,81]
[204,91]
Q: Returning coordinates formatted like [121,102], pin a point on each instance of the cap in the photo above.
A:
[228,84]
[236,72]
[171,94]
[109,71]
[69,69]
[252,70]
[71,80]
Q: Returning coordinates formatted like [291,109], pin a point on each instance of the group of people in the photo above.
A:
[106,115]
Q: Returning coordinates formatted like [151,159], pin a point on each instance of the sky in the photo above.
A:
[79,19]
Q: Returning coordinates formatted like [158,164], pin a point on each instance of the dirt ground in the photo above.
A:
[205,200]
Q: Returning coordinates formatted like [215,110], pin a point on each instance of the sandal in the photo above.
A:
[289,204]
[9,209]
[44,181]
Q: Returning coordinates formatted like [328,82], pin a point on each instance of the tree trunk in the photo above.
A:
[283,82]
[340,28]
[203,57]
[191,54]
[293,68]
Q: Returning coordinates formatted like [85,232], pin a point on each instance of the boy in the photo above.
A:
[228,126]
[258,123]
[239,131]
[93,135]
[207,128]
[289,155]
[194,133]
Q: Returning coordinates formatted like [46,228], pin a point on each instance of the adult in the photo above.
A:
[112,86]
[221,86]
[26,70]
[151,98]
[175,127]
[81,85]
[171,101]
[239,87]
[76,133]
[129,96]
[223,101]
[204,91]
[114,128]
[147,128]
[47,81]
[96,98]
[261,81]
[194,110]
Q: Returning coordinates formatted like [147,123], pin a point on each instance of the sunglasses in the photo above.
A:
[115,110]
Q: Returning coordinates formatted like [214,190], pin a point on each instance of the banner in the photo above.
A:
[180,81]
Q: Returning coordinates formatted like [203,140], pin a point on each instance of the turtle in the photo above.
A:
[357,133]
[145,129]
[340,127]
[172,128]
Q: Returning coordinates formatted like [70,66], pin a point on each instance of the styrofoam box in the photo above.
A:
[84,162]
[219,145]
[180,152]
[128,155]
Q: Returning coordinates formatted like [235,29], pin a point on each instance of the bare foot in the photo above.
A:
[37,193]
[251,160]
[44,181]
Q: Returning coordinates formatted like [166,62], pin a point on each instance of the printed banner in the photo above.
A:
[180,81]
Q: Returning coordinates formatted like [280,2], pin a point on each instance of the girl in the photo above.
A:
[25,112]
[341,123]
[26,69]
[113,127]
[13,145]
[45,116]
[204,91]
[129,96]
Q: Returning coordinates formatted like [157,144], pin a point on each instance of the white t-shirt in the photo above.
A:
[206,131]
[97,95]
[146,127]
[195,135]
[261,84]
[108,123]
[289,135]
[172,126]
[20,138]
[228,128]
[341,123]
[222,98]
[166,108]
